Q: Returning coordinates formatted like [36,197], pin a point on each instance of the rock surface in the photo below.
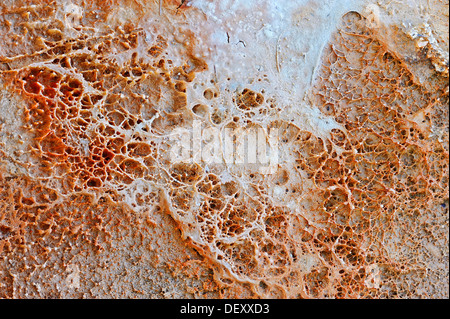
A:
[224,149]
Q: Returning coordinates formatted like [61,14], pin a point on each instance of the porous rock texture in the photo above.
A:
[92,205]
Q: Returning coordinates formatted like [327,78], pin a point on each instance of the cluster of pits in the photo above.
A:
[348,216]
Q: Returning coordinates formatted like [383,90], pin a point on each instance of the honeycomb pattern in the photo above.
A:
[354,230]
[353,214]
[80,221]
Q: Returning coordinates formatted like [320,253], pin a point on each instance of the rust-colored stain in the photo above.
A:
[96,208]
